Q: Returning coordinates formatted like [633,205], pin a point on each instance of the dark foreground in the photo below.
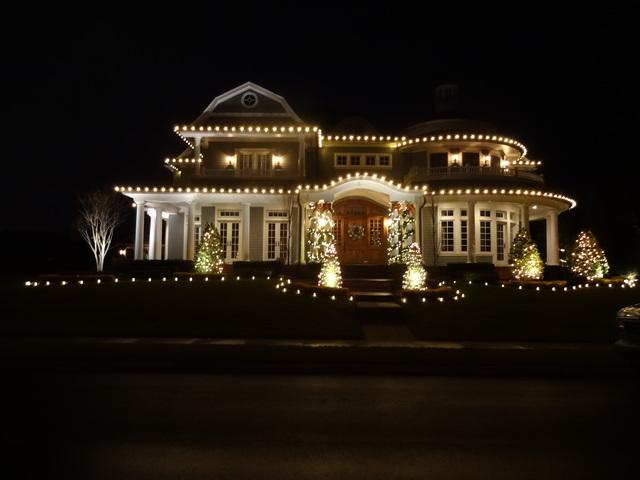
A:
[277,426]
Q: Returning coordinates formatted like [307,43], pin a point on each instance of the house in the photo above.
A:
[255,169]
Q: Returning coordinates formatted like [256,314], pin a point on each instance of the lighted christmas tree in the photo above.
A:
[415,277]
[209,254]
[587,258]
[401,230]
[330,274]
[525,258]
[320,231]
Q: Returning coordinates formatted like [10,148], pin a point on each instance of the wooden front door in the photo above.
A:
[360,231]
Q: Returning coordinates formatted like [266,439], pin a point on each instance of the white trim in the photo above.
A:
[244,88]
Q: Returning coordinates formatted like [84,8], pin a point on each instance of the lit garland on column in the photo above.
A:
[587,258]
[209,254]
[401,230]
[320,232]
[525,257]
[415,277]
[330,274]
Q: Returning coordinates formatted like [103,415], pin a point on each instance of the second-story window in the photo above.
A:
[255,162]
[365,160]
[470,159]
[438,159]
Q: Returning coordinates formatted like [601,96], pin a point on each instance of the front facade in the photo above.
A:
[254,169]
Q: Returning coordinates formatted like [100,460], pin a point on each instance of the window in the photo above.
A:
[463,213]
[500,214]
[500,241]
[446,213]
[375,232]
[470,159]
[495,161]
[485,213]
[277,214]
[485,235]
[446,235]
[463,236]
[254,161]
[230,213]
[197,234]
[439,159]
[371,160]
[337,231]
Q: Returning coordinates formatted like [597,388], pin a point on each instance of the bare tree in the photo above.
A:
[100,214]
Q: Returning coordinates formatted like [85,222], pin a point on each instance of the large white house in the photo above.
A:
[254,168]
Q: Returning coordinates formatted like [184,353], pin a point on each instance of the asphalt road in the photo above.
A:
[179,426]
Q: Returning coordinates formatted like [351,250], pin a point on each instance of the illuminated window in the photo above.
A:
[446,235]
[463,236]
[485,235]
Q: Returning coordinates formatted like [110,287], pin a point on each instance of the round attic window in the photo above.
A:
[249,100]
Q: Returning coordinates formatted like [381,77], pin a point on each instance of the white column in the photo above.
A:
[138,253]
[471,232]
[191,216]
[552,238]
[155,234]
[246,217]
[524,216]
[166,239]
[196,152]
[417,233]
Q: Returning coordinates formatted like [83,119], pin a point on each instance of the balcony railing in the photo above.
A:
[417,174]
[248,173]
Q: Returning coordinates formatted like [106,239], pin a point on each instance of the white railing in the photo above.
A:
[435,173]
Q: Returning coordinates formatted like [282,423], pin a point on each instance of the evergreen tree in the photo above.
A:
[415,277]
[587,258]
[210,252]
[525,258]
[330,273]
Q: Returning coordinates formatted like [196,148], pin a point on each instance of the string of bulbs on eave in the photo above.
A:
[401,141]
[365,176]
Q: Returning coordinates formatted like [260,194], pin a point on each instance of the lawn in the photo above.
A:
[255,309]
[229,309]
[495,313]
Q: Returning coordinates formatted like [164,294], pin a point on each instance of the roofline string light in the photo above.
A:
[365,176]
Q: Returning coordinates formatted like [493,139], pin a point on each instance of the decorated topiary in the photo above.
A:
[525,257]
[415,277]
[209,256]
[587,259]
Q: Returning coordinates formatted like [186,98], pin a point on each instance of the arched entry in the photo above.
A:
[360,231]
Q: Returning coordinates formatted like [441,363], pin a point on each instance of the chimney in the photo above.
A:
[446,98]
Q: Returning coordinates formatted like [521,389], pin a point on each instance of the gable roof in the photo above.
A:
[210,111]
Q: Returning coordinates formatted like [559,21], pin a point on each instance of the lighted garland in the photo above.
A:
[415,277]
[330,274]
[401,230]
[525,257]
[320,231]
[587,258]
[210,253]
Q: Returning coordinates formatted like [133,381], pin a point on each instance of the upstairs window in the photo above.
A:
[439,159]
[470,159]
[365,160]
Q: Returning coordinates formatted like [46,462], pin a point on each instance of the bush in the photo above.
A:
[264,269]
[476,272]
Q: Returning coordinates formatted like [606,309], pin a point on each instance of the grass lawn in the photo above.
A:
[229,309]
[255,309]
[494,313]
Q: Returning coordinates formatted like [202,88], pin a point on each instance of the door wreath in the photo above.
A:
[355,231]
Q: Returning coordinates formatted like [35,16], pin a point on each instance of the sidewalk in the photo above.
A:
[296,356]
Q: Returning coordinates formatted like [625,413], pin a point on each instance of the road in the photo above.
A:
[108,425]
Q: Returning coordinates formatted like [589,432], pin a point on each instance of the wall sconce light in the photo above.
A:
[231,161]
[277,161]
[487,161]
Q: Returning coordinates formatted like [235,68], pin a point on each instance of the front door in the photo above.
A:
[360,231]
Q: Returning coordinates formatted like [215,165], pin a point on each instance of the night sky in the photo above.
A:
[91,96]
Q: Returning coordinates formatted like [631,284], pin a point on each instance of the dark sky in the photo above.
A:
[92,95]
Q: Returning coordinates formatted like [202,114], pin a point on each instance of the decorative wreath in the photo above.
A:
[355,231]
